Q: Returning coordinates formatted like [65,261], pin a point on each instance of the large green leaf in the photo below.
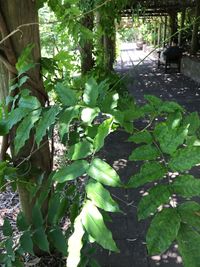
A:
[91,92]
[3,128]
[162,231]
[16,115]
[170,138]
[22,223]
[104,129]
[101,197]
[156,197]
[145,152]
[185,158]
[75,244]
[153,100]
[149,172]
[40,239]
[141,137]
[47,119]
[188,245]
[71,172]
[58,240]
[80,150]
[37,217]
[93,222]
[7,229]
[186,186]
[26,242]
[65,119]
[110,101]
[23,130]
[29,102]
[67,96]
[170,107]
[103,173]
[88,114]
[190,213]
[54,204]
[193,121]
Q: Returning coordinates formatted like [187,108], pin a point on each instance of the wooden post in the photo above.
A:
[173,24]
[165,31]
[194,43]
[180,36]
[159,33]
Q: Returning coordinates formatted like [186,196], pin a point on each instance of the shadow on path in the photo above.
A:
[128,232]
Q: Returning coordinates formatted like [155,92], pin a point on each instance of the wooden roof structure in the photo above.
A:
[157,7]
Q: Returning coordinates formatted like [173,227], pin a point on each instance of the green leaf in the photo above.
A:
[29,102]
[94,263]
[16,115]
[190,213]
[54,204]
[186,186]
[93,222]
[22,223]
[141,137]
[37,216]
[40,239]
[65,119]
[88,114]
[188,245]
[156,197]
[58,240]
[193,121]
[91,92]
[185,158]
[153,100]
[3,128]
[101,197]
[149,172]
[103,173]
[26,242]
[71,172]
[170,138]
[110,101]
[23,130]
[47,119]
[9,249]
[104,129]
[67,96]
[80,150]
[145,152]
[75,244]
[7,229]
[25,62]
[170,107]
[22,80]
[162,231]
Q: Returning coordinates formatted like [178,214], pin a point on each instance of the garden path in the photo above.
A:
[127,231]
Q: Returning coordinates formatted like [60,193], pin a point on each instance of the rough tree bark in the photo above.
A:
[23,14]
[86,46]
[194,43]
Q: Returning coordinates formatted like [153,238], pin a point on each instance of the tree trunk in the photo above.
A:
[109,49]
[86,46]
[23,14]
[194,43]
